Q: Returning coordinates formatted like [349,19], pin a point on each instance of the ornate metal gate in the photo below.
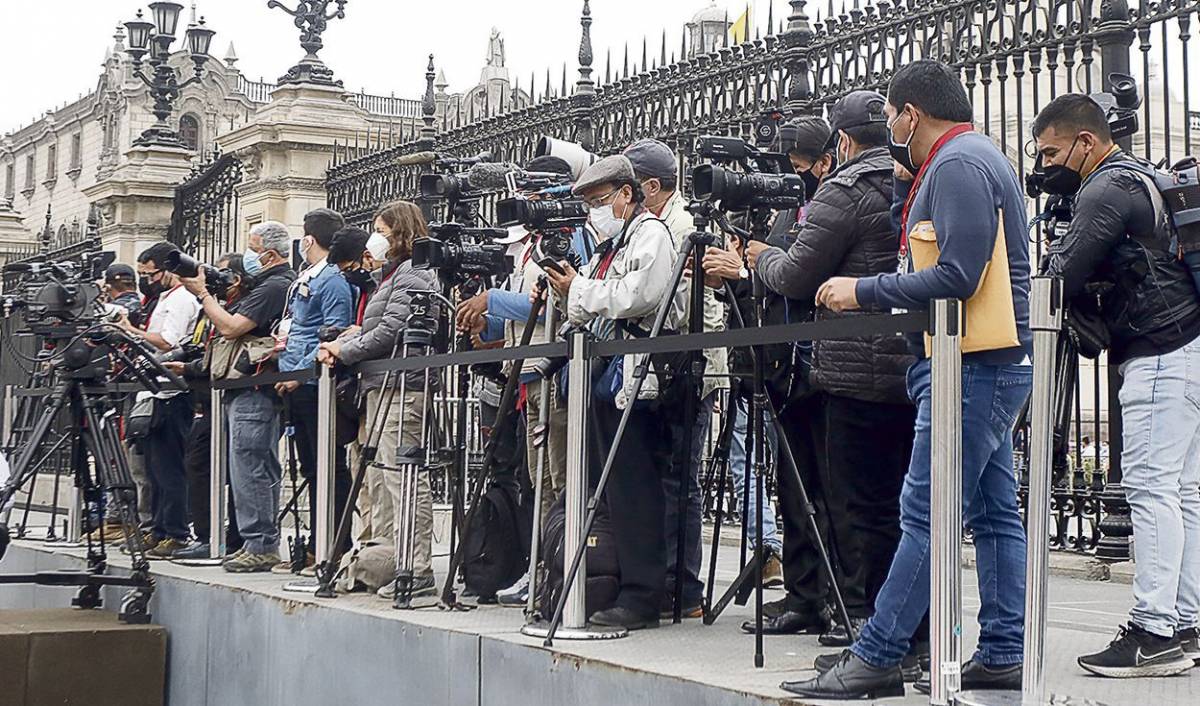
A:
[204,222]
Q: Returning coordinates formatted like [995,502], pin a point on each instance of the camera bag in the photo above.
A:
[229,360]
[494,553]
[603,571]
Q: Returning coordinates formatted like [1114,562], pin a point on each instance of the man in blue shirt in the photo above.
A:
[319,297]
[963,187]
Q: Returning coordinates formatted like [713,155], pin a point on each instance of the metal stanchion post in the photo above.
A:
[945,580]
[1045,319]
[6,419]
[574,623]
[218,452]
[326,460]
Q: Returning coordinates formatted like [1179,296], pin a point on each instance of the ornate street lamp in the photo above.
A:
[155,38]
[312,18]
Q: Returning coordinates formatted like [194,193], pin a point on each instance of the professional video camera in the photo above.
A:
[553,210]
[216,281]
[1120,107]
[449,182]
[58,299]
[766,179]
[455,252]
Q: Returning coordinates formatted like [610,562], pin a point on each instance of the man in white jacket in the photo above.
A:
[617,297]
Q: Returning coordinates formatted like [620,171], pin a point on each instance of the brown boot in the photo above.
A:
[772,573]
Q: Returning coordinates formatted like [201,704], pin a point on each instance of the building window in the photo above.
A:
[51,162]
[10,180]
[76,150]
[189,131]
[29,169]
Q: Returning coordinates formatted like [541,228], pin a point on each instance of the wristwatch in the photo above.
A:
[743,273]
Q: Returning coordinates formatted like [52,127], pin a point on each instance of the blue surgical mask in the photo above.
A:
[251,262]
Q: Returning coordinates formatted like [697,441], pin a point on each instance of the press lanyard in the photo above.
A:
[912,192]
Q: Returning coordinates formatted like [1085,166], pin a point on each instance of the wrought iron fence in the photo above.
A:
[204,221]
[1013,57]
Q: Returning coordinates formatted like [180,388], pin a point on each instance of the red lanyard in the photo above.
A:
[602,268]
[912,192]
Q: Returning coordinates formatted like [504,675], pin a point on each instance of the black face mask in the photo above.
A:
[811,182]
[361,279]
[1061,180]
[149,288]
[900,151]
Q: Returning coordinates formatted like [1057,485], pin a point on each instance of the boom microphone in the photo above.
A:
[491,175]
[417,158]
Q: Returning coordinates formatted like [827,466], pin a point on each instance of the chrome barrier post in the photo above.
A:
[6,419]
[326,461]
[945,526]
[574,622]
[1045,320]
[218,477]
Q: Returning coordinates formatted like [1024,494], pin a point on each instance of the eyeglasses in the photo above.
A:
[599,202]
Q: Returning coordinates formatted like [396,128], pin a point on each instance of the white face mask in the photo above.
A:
[378,246]
[605,222]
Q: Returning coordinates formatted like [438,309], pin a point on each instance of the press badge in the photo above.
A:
[303,290]
[901,269]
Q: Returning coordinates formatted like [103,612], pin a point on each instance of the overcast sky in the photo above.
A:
[52,49]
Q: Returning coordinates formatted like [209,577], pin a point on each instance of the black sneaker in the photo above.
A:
[1189,642]
[1138,653]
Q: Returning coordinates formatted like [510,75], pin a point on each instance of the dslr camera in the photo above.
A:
[217,282]
[764,180]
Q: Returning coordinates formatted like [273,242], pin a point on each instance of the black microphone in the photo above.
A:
[491,175]
[20,267]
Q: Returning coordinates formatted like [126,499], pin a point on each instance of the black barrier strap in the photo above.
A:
[497,355]
[849,327]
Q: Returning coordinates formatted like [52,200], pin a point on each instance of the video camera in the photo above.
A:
[557,211]
[217,282]
[58,299]
[456,252]
[449,182]
[765,180]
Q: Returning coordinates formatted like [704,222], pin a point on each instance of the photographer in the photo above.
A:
[847,231]
[627,280]
[319,297]
[1120,243]
[174,313]
[381,337]
[964,231]
[251,414]
[189,363]
[806,142]
[657,170]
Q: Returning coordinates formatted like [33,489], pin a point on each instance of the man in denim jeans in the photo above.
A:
[964,185]
[1120,237]
[252,414]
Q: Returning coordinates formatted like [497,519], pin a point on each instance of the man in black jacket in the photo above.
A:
[1117,256]
[848,232]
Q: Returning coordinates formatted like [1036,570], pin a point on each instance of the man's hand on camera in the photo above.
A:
[329,353]
[471,311]
[284,388]
[753,249]
[561,282]
[195,285]
[838,294]
[722,264]
[174,366]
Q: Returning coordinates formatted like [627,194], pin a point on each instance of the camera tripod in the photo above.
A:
[83,371]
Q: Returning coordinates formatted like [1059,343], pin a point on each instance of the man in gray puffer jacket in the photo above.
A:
[848,231]
[379,335]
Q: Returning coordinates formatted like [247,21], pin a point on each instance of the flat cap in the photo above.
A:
[653,159]
[119,272]
[856,109]
[615,169]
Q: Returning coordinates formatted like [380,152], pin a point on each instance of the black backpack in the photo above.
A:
[603,572]
[497,541]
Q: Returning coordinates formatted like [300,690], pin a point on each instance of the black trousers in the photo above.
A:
[635,499]
[197,463]
[304,417]
[864,490]
[164,449]
[803,573]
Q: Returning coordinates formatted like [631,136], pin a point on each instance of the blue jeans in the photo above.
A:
[992,397]
[252,419]
[1160,457]
[739,473]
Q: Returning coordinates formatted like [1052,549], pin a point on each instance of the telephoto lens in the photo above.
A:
[182,264]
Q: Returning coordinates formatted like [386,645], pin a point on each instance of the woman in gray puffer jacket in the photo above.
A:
[380,336]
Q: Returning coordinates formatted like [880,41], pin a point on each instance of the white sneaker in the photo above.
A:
[516,594]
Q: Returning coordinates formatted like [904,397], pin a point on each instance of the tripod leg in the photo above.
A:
[718,464]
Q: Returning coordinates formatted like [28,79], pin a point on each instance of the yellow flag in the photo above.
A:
[739,31]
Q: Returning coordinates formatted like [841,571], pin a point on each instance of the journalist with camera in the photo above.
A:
[616,297]
[381,336]
[1119,264]
[847,231]
[243,345]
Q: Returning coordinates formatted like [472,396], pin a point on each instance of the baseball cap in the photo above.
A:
[856,109]
[119,272]
[653,159]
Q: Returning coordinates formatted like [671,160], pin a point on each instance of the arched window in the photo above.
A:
[189,131]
